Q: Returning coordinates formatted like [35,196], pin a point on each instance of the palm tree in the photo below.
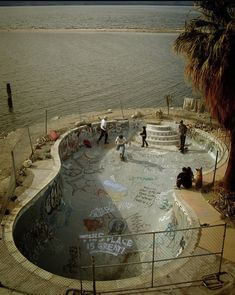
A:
[208,44]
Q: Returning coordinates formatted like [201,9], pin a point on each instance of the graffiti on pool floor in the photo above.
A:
[146,196]
[80,177]
[114,245]
[117,226]
[92,224]
[141,178]
[101,211]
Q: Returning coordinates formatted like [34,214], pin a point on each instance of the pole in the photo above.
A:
[46,122]
[80,264]
[216,159]
[121,108]
[9,99]
[153,258]
[222,250]
[13,166]
[31,145]
[93,274]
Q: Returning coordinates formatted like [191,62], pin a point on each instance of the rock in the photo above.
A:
[27,163]
[4,186]
[109,111]
[13,198]
[47,155]
[55,118]
[80,123]
[137,114]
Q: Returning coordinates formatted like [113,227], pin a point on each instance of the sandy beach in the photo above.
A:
[74,30]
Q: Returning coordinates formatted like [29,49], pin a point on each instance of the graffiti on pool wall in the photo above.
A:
[53,196]
[69,145]
[72,265]
[114,245]
[34,241]
[136,223]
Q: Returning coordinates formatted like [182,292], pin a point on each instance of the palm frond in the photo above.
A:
[208,44]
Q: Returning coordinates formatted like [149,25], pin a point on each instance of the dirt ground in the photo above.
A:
[41,144]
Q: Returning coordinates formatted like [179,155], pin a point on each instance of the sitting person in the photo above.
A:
[190,172]
[184,178]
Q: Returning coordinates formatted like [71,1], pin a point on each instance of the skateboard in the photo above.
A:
[123,158]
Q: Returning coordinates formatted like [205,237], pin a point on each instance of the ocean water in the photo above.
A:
[75,71]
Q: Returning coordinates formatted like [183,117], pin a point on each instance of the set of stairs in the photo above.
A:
[161,134]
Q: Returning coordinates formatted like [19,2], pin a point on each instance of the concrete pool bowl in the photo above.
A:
[94,205]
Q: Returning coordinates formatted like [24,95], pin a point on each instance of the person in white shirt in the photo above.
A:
[103,127]
[120,142]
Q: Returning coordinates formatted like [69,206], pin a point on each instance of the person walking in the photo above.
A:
[103,127]
[144,136]
[120,142]
[182,133]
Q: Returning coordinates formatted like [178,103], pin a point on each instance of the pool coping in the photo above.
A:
[23,271]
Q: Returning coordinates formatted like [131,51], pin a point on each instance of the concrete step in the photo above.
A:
[161,132]
[162,142]
[164,138]
[158,127]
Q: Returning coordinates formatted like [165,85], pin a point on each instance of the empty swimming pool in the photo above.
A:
[98,206]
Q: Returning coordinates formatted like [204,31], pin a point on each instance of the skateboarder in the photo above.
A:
[143,134]
[120,142]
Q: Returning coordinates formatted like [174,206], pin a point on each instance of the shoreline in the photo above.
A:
[78,30]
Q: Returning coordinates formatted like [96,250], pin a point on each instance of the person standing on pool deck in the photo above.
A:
[182,132]
[103,127]
[144,136]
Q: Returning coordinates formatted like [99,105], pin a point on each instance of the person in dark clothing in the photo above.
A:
[184,178]
[182,132]
[144,136]
[190,172]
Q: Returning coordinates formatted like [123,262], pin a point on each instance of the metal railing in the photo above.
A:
[150,262]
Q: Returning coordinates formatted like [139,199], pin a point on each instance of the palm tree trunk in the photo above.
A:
[229,177]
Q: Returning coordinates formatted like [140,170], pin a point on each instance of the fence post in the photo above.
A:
[31,145]
[80,264]
[46,122]
[121,108]
[13,166]
[153,258]
[10,103]
[216,159]
[222,251]
[93,274]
